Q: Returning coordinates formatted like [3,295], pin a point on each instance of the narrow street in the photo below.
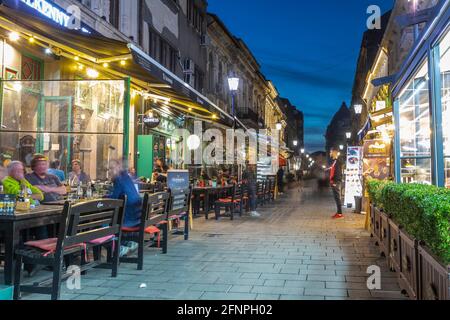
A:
[295,251]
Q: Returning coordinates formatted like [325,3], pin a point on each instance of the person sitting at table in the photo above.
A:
[15,182]
[77,175]
[55,169]
[204,175]
[49,184]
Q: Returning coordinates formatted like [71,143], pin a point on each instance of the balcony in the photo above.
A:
[250,117]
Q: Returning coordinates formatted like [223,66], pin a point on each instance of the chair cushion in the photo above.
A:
[152,230]
[102,240]
[49,246]
[130,229]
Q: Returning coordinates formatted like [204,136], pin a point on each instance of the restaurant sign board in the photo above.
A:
[178,179]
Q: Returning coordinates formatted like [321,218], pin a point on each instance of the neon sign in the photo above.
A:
[56,14]
[50,11]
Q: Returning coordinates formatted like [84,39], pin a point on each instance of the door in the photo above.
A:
[145,156]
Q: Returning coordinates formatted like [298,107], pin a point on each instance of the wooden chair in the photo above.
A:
[229,202]
[82,226]
[154,216]
[260,195]
[272,189]
[245,197]
[179,206]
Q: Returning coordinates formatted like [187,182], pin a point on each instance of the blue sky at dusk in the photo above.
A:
[309,49]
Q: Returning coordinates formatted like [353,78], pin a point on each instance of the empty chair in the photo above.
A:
[260,193]
[180,202]
[229,202]
[154,216]
[82,226]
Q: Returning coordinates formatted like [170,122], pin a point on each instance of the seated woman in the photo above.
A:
[15,182]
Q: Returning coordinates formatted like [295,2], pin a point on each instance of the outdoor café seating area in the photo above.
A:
[87,232]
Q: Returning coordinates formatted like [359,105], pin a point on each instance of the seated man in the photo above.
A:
[15,182]
[49,184]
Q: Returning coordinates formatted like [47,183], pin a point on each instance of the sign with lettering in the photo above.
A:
[151,120]
[178,179]
[69,18]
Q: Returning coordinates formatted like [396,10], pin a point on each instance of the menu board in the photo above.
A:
[353,175]
[178,179]
[377,159]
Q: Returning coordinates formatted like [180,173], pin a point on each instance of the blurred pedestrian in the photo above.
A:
[336,181]
[280,180]
[249,179]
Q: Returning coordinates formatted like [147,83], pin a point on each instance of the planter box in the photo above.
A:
[409,267]
[394,260]
[384,234]
[6,293]
[377,226]
[372,220]
[434,278]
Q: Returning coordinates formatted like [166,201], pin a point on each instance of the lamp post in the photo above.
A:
[233,83]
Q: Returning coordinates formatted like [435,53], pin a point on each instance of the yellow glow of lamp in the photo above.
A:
[14,36]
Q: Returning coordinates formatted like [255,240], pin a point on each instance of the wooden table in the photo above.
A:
[207,192]
[11,227]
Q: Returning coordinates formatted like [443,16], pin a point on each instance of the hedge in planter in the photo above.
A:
[423,211]
[375,187]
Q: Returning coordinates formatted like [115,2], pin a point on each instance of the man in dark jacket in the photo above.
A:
[336,181]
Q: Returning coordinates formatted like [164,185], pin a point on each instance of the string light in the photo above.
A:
[14,36]
[123,62]
[92,73]
[48,51]
[31,39]
[105,65]
[77,58]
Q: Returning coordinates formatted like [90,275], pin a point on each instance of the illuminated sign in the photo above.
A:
[50,11]
[69,18]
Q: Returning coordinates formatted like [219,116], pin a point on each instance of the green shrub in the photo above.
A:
[423,211]
[375,187]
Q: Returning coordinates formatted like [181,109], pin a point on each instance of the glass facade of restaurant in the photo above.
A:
[65,120]
[422,111]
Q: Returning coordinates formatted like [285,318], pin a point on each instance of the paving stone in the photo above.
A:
[210,288]
[268,297]
[214,296]
[275,283]
[302,297]
[306,284]
[240,289]
[326,292]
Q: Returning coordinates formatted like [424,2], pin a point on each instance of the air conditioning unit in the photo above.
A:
[189,66]
[204,40]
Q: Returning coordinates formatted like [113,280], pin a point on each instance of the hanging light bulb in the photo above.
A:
[105,65]
[92,73]
[31,39]
[14,36]
[77,58]
[123,63]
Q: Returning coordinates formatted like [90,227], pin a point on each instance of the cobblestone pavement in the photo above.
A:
[295,251]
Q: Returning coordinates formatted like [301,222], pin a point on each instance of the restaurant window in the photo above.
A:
[414,129]
[153,43]
[64,120]
[444,49]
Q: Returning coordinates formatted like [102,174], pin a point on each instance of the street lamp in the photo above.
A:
[341,147]
[279,126]
[193,142]
[295,143]
[233,83]
[349,135]
[358,108]
[302,151]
